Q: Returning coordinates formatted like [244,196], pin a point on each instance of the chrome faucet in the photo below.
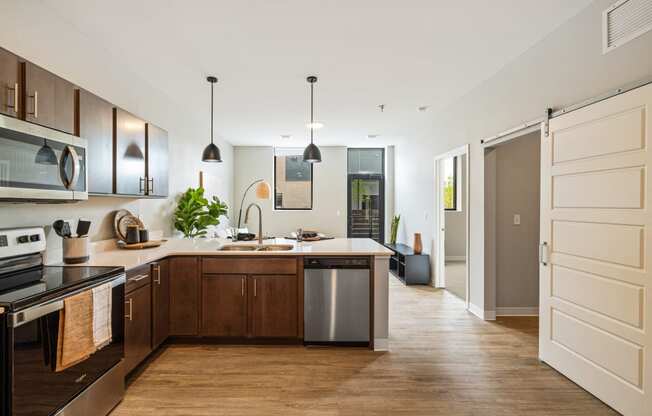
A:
[260,221]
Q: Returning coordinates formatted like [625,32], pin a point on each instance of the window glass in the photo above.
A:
[292,181]
[366,161]
[450,183]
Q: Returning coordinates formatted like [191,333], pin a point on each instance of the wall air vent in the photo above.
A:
[625,20]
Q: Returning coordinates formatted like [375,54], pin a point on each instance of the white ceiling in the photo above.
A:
[403,54]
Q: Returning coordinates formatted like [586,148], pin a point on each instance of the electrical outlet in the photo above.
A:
[517,219]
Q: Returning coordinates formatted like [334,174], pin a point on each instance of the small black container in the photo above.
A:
[133,235]
[144,235]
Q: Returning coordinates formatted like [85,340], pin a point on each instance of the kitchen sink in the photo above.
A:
[250,247]
[276,247]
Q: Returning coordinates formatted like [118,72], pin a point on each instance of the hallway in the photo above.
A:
[443,361]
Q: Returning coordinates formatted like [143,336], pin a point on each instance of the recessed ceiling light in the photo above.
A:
[286,136]
[422,108]
[372,136]
[315,125]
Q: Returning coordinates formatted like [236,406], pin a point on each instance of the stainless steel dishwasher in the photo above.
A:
[336,300]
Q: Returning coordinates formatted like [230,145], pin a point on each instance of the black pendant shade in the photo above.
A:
[312,154]
[211,152]
[45,155]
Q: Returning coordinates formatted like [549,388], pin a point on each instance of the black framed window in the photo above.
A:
[451,181]
[293,181]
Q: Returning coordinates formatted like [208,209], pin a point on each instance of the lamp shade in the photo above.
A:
[211,154]
[312,154]
[263,190]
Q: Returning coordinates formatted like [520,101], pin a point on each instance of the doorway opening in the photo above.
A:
[512,224]
[450,258]
[366,194]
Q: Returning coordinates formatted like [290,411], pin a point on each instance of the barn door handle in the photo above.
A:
[543,253]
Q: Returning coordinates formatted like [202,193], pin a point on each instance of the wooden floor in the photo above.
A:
[443,361]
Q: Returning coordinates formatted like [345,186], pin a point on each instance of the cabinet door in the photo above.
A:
[138,327]
[160,302]
[157,161]
[224,305]
[184,295]
[50,100]
[273,309]
[10,84]
[95,124]
[129,144]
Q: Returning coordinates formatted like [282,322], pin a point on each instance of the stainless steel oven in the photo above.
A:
[32,295]
[40,164]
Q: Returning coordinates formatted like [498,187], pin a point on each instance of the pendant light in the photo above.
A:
[211,152]
[312,154]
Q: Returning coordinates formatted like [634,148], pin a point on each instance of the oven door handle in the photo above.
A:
[32,313]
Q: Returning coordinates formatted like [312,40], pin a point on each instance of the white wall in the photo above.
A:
[49,41]
[329,194]
[564,68]
[455,221]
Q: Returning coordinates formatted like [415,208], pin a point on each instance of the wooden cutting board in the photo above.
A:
[140,246]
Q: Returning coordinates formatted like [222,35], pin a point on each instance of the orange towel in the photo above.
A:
[75,341]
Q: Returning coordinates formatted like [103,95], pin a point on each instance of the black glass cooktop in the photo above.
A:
[23,289]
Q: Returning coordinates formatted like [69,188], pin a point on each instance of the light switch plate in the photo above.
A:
[517,219]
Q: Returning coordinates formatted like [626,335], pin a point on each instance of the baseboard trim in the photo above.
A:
[381,344]
[455,258]
[482,314]
[518,311]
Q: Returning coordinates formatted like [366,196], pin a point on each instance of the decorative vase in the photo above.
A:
[394,230]
[418,245]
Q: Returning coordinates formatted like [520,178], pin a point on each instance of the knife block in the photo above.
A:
[76,250]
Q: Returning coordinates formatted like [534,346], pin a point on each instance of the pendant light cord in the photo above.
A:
[212,86]
[312,120]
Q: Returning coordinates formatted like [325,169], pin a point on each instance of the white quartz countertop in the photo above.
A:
[111,255]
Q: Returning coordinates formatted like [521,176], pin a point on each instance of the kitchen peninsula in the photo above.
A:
[212,290]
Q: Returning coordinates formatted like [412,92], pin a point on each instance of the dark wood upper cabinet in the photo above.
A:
[224,305]
[273,311]
[157,161]
[49,99]
[160,302]
[11,84]
[138,329]
[184,295]
[94,122]
[129,153]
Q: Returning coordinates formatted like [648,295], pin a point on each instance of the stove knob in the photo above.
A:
[23,239]
[34,237]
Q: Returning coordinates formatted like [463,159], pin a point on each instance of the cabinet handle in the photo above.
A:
[255,291]
[157,271]
[15,90]
[150,185]
[242,282]
[141,186]
[139,277]
[35,97]
[131,309]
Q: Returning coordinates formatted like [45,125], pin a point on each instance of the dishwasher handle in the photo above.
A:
[336,263]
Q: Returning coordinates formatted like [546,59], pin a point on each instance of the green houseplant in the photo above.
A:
[194,213]
[395,220]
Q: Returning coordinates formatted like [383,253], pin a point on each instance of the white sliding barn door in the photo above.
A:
[596,225]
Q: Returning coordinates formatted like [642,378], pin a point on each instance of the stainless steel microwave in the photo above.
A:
[39,164]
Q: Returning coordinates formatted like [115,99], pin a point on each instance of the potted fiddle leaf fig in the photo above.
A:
[194,213]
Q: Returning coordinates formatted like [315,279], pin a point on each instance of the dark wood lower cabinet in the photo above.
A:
[184,296]
[160,302]
[273,310]
[138,326]
[224,305]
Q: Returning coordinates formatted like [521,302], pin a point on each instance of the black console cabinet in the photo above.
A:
[410,268]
